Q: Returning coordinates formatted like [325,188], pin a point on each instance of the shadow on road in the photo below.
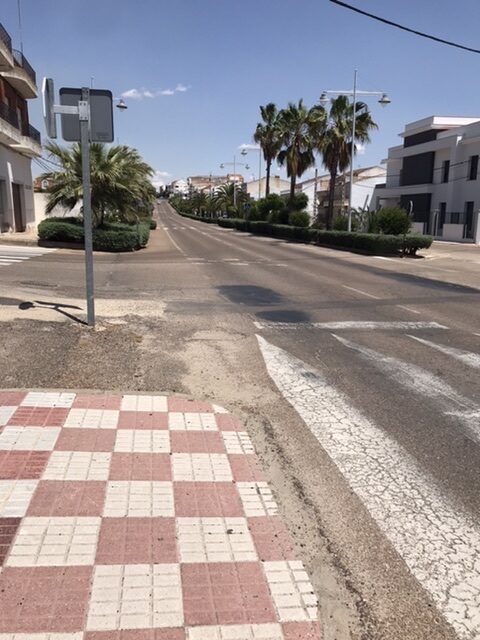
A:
[24,305]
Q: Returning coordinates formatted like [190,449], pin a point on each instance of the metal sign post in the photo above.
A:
[84,117]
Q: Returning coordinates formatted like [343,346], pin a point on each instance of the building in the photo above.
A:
[434,176]
[19,141]
[277,185]
[179,187]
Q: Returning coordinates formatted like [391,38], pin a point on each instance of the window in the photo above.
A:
[473,168]
[468,224]
[445,170]
[441,217]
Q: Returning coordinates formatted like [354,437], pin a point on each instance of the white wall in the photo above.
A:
[15,168]
[40,201]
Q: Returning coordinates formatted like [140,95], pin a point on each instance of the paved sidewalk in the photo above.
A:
[140,518]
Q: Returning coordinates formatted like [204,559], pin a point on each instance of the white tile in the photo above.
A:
[41,636]
[237,442]
[144,403]
[131,600]
[201,467]
[92,419]
[236,632]
[15,496]
[29,438]
[291,590]
[257,499]
[77,465]
[49,399]
[139,499]
[218,409]
[44,542]
[215,540]
[142,441]
[5,414]
[192,421]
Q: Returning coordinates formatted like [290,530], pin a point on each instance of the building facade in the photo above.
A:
[19,141]
[434,175]
[256,188]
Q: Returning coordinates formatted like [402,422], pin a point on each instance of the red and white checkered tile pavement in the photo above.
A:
[140,518]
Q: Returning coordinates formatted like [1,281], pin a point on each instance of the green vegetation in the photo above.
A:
[111,236]
[267,136]
[393,220]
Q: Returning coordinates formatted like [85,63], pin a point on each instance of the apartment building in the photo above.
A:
[256,188]
[434,175]
[19,141]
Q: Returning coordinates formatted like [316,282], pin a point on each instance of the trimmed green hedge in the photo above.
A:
[376,243]
[153,224]
[110,237]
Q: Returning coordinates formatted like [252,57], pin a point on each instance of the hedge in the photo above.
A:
[109,237]
[376,243]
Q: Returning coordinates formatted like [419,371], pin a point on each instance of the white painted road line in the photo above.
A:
[168,234]
[401,306]
[467,357]
[438,540]
[423,383]
[363,293]
[360,325]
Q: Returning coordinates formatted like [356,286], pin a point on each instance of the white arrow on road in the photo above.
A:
[439,541]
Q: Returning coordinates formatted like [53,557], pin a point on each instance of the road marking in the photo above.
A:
[240,264]
[467,357]
[362,325]
[168,234]
[383,258]
[426,384]
[438,540]
[363,293]
[401,306]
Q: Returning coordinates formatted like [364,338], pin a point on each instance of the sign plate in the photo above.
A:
[101,115]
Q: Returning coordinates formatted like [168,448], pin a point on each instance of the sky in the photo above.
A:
[194,73]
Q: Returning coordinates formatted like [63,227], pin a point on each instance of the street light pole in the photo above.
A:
[234,185]
[354,120]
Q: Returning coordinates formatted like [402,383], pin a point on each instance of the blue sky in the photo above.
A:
[233,55]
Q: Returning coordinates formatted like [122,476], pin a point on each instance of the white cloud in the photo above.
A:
[360,149]
[149,94]
[133,94]
[139,94]
[181,87]
[167,92]
[159,178]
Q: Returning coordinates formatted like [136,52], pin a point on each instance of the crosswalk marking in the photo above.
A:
[10,256]
[360,325]
[437,539]
[467,357]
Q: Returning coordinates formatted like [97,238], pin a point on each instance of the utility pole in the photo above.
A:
[315,208]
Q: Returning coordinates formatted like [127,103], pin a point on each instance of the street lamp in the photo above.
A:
[259,149]
[234,164]
[384,101]
[121,105]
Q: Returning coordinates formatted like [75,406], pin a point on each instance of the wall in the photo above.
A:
[15,168]
[40,200]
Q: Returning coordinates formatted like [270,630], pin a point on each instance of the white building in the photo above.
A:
[257,188]
[180,187]
[434,175]
[19,141]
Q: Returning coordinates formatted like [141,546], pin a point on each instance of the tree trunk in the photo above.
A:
[293,181]
[267,178]
[331,197]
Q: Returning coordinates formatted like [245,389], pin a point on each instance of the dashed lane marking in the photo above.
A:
[362,293]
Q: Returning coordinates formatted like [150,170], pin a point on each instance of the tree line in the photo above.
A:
[293,136]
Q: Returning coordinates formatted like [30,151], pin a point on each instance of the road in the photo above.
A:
[358,380]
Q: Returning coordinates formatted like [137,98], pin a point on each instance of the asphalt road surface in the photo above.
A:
[359,377]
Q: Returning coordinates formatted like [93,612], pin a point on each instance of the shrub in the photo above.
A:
[341,223]
[299,218]
[153,224]
[299,202]
[393,221]
[58,230]
[279,216]
[109,237]
[267,205]
[414,242]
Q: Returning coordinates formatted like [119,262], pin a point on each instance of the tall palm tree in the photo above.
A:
[223,198]
[300,130]
[267,136]
[120,181]
[336,143]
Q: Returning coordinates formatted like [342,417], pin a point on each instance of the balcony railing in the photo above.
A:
[21,61]
[34,134]
[5,38]
[9,115]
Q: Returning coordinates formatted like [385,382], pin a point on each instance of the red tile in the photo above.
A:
[84,401]
[232,593]
[136,634]
[11,398]
[301,631]
[38,417]
[196,442]
[8,529]
[192,406]
[86,440]
[69,498]
[226,422]
[271,539]
[44,599]
[143,420]
[140,466]
[22,465]
[206,499]
[137,541]
[245,468]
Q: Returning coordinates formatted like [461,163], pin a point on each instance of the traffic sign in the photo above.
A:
[101,115]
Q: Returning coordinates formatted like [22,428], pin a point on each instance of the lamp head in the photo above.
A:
[323,99]
[121,105]
[244,152]
[384,100]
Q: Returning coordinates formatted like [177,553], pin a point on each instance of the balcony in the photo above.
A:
[6,55]
[24,139]
[21,76]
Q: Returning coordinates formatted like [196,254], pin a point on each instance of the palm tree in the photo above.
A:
[267,136]
[120,181]
[336,143]
[300,130]
[223,198]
